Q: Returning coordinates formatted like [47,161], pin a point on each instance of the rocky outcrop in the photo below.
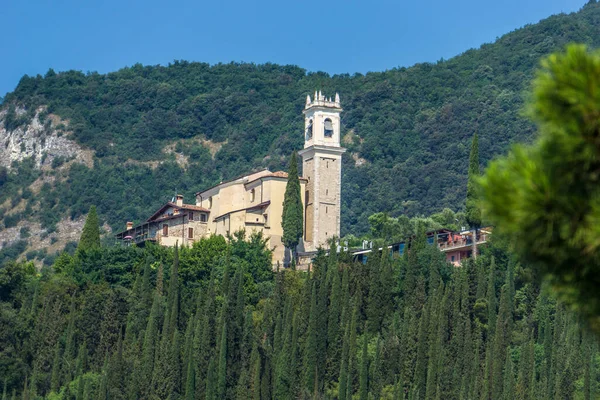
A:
[40,138]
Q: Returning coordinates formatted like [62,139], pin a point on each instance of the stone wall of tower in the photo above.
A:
[322,166]
[330,176]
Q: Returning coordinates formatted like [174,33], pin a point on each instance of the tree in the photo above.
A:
[90,236]
[292,218]
[546,196]
[473,211]
[364,371]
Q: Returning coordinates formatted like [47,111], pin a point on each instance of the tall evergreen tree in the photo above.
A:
[292,217]
[222,366]
[90,236]
[310,347]
[472,208]
[364,371]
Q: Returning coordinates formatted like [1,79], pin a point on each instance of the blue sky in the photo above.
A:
[335,36]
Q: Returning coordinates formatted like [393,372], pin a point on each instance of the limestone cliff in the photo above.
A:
[44,137]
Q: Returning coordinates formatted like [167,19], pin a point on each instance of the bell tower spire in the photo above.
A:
[322,166]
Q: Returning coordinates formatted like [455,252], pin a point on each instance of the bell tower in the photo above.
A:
[322,166]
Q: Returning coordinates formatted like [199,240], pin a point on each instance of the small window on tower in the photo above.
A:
[309,130]
[210,202]
[252,195]
[328,128]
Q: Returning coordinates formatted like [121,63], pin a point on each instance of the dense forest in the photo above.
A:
[215,322]
[409,127]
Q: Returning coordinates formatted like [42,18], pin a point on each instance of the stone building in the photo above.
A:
[254,202]
[322,167]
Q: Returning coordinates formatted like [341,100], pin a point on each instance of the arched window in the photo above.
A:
[328,128]
[252,195]
[309,130]
[210,202]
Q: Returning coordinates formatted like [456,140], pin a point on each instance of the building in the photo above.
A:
[322,167]
[254,202]
[457,246]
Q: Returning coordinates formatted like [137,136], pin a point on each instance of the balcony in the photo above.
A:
[462,243]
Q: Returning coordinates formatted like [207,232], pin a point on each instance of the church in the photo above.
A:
[254,201]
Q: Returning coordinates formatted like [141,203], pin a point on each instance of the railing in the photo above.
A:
[446,246]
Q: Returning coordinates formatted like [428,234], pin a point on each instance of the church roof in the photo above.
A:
[252,177]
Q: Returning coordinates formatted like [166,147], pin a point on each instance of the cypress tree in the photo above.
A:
[90,236]
[190,381]
[160,279]
[56,366]
[502,334]
[292,217]
[310,347]
[508,392]
[352,351]
[473,212]
[364,371]
[257,369]
[211,381]
[149,346]
[204,340]
[103,388]
[491,296]
[472,208]
[173,296]
[70,346]
[343,376]
[222,371]
[333,324]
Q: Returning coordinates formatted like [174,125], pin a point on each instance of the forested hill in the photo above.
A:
[407,129]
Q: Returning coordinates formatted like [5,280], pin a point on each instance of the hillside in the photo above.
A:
[148,131]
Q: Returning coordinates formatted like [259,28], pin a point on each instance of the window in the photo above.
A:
[452,258]
[165,230]
[326,192]
[210,202]
[252,195]
[191,216]
[328,128]
[309,130]
[202,217]
[326,209]
[266,218]
[190,233]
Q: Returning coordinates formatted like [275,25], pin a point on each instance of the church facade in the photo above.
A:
[254,202]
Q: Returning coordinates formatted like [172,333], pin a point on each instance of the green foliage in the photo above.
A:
[292,218]
[545,196]
[281,344]
[90,236]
